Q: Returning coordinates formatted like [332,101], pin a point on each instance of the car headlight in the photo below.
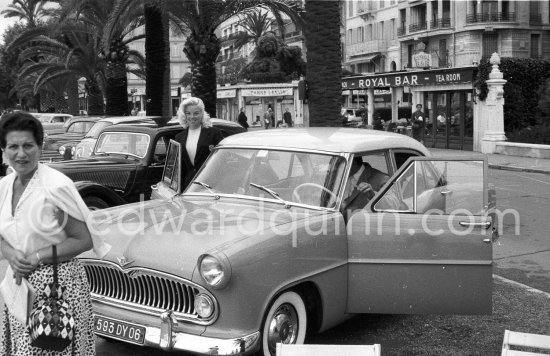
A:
[215,271]
[204,305]
[62,150]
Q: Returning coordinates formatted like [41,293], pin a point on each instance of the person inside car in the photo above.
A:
[363,182]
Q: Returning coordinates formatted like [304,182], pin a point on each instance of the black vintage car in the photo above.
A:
[126,161]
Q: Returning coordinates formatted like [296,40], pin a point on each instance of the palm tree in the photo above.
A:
[256,24]
[324,72]
[200,19]
[115,38]
[69,55]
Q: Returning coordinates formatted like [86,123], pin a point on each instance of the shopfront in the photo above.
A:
[447,97]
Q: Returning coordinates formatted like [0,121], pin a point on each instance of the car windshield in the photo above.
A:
[80,127]
[293,176]
[126,143]
[97,128]
[44,119]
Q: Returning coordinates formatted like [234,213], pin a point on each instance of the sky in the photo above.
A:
[5,23]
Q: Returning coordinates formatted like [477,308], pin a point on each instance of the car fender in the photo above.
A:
[86,188]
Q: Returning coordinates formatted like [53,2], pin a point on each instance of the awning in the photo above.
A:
[363,58]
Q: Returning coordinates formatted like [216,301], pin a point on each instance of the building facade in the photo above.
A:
[441,42]
[179,65]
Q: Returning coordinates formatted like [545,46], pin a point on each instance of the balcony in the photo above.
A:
[535,19]
[401,31]
[419,26]
[491,17]
[444,22]
[367,47]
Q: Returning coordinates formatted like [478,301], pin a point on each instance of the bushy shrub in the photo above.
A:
[539,134]
[527,79]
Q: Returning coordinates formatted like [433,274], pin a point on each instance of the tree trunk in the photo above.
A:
[324,72]
[95,98]
[72,93]
[157,55]
[116,88]
[202,51]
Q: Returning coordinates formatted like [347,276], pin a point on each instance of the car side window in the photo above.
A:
[436,187]
[58,119]
[161,148]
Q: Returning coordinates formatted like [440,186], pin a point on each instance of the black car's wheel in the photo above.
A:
[95,203]
[285,322]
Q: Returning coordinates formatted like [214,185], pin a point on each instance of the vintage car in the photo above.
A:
[59,147]
[53,123]
[127,159]
[84,148]
[260,249]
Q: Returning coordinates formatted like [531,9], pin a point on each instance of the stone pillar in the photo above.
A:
[408,18]
[394,108]
[544,9]
[492,110]
[370,95]
[429,15]
[499,6]
[440,9]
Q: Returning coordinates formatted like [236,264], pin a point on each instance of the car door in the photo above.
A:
[423,244]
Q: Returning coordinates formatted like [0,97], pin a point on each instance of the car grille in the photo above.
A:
[143,290]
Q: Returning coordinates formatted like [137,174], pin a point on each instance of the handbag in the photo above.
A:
[51,323]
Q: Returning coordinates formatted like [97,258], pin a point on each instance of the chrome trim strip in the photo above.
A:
[196,344]
[419,262]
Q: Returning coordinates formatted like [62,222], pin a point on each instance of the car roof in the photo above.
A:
[85,118]
[151,126]
[52,114]
[330,139]
[130,119]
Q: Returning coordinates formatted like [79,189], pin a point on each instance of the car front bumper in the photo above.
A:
[168,339]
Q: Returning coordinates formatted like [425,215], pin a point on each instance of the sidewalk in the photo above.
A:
[496,161]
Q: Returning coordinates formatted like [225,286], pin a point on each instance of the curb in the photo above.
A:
[521,285]
[518,169]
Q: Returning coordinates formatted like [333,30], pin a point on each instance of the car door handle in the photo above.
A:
[154,186]
[445,192]
[485,224]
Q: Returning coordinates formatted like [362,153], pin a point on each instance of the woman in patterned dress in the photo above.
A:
[40,207]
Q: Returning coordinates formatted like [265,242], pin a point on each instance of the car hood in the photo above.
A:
[59,139]
[170,235]
[92,164]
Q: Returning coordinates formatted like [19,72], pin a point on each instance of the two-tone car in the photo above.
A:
[261,247]
[127,159]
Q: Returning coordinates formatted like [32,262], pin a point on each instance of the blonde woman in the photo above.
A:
[198,138]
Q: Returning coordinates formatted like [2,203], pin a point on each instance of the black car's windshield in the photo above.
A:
[294,176]
[125,143]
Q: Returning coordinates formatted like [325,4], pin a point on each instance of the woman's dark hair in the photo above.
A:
[21,121]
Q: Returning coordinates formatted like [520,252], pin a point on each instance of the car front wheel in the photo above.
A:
[286,322]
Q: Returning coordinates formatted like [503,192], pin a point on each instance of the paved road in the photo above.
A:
[523,257]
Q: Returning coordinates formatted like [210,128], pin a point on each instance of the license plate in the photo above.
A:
[119,330]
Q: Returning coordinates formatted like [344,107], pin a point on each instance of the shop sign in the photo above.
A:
[422,60]
[231,93]
[267,92]
[382,92]
[440,77]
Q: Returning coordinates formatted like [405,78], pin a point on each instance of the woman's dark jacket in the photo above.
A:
[208,139]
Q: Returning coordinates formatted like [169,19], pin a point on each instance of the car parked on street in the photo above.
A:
[61,146]
[262,248]
[53,123]
[127,159]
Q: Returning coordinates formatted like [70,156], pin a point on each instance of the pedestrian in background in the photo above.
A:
[41,207]
[269,118]
[417,123]
[197,139]
[287,117]
[242,119]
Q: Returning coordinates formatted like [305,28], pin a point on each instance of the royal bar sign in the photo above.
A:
[433,77]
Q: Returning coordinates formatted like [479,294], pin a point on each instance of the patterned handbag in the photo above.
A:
[51,323]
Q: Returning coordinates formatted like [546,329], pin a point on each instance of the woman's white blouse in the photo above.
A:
[34,223]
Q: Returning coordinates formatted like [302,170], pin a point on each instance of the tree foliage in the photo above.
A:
[525,91]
